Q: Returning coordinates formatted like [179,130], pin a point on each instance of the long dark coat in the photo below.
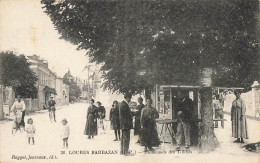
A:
[125,116]
[114,118]
[137,119]
[91,123]
[239,126]
[149,135]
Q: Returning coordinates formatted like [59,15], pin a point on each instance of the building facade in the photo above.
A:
[46,83]
[62,90]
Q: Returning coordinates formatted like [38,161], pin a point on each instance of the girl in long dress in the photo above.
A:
[30,129]
[149,137]
[239,124]
[114,119]
[91,123]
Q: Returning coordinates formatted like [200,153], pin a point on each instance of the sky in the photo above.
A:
[26,29]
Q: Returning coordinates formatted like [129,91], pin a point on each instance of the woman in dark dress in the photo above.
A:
[91,123]
[149,137]
[114,118]
[138,115]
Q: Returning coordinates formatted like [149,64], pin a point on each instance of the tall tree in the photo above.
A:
[15,72]
[165,39]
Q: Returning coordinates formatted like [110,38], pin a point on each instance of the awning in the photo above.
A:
[49,90]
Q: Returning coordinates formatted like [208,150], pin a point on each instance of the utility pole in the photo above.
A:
[88,86]
[88,67]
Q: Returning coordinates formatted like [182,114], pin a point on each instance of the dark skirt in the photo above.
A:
[148,135]
[22,124]
[115,124]
[91,126]
[137,126]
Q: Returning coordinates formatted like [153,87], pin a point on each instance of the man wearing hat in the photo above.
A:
[52,109]
[184,107]
[126,123]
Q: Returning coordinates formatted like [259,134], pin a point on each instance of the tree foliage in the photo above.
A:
[169,41]
[15,72]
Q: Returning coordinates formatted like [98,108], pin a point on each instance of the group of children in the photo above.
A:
[64,133]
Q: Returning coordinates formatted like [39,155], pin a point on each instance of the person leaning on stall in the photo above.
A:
[239,124]
[184,107]
[149,136]
[126,124]
[218,108]
[114,119]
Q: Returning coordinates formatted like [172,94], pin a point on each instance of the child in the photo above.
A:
[65,132]
[30,129]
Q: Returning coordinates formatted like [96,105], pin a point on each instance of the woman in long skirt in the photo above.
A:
[239,125]
[138,115]
[91,123]
[149,137]
[114,119]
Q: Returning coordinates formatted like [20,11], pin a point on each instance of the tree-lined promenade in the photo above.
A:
[143,43]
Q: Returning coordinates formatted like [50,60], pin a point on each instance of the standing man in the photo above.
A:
[52,109]
[184,108]
[126,123]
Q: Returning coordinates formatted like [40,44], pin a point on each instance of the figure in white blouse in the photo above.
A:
[18,109]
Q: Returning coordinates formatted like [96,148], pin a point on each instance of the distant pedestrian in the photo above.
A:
[65,132]
[91,123]
[30,130]
[114,119]
[149,136]
[52,109]
[126,124]
[218,108]
[239,124]
[101,115]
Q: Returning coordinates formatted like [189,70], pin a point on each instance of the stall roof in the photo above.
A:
[195,86]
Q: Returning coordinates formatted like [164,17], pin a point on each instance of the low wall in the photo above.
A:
[31,105]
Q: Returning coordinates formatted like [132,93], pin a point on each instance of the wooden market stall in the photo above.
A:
[164,100]
[164,97]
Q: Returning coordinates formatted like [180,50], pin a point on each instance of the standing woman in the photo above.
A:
[114,118]
[91,123]
[138,116]
[239,125]
[149,134]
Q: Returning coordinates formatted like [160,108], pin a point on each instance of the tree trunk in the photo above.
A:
[1,103]
[207,127]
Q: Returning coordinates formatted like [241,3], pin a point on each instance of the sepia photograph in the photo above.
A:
[138,81]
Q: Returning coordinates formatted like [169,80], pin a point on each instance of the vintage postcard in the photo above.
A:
[129,81]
